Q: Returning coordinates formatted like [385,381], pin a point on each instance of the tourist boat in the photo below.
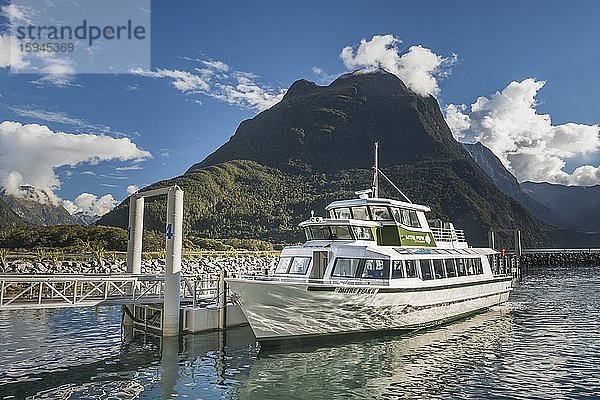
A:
[373,264]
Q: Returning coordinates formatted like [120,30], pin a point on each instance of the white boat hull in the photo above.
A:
[282,310]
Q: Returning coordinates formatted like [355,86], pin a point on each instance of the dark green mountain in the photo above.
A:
[315,146]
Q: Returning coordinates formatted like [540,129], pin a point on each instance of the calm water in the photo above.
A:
[544,344]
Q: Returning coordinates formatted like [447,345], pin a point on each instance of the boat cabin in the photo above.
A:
[398,223]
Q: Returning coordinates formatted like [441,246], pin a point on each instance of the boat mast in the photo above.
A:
[376,172]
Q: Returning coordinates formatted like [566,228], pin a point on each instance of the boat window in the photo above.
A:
[283,265]
[411,268]
[397,214]
[461,267]
[319,232]
[340,233]
[470,269]
[414,219]
[360,213]
[336,232]
[345,267]
[397,269]
[380,213]
[363,233]
[308,234]
[405,217]
[478,266]
[343,213]
[376,269]
[299,265]
[425,266]
[438,269]
[450,268]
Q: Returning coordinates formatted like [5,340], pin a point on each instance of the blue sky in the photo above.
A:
[271,44]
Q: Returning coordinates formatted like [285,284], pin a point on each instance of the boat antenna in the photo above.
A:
[375,185]
[377,171]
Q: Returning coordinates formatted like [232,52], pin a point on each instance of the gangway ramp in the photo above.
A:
[67,290]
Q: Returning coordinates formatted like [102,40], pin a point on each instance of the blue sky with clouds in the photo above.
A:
[214,64]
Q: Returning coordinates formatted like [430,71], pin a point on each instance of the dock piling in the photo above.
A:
[222,300]
[135,234]
[173,232]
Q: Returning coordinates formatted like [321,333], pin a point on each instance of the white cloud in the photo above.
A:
[8,58]
[322,76]
[457,120]
[526,142]
[217,81]
[217,65]
[90,204]
[16,13]
[419,68]
[29,155]
[134,167]
[131,189]
[248,94]
[182,80]
[55,71]
[64,118]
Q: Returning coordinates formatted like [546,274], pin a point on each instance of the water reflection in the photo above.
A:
[544,343]
[439,361]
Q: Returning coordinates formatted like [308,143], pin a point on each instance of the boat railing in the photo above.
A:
[328,281]
[448,235]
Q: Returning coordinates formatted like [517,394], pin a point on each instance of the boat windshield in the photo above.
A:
[328,232]
[293,265]
[338,232]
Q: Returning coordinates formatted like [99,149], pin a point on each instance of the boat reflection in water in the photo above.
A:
[451,359]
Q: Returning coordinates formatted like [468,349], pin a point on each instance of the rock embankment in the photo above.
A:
[194,266]
[561,259]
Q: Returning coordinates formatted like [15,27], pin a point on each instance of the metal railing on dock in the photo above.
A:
[56,291]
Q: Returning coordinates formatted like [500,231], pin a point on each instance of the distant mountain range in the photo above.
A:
[576,207]
[35,208]
[570,208]
[315,146]
[8,218]
[32,212]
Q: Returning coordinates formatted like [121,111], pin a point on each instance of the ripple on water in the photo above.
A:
[545,343]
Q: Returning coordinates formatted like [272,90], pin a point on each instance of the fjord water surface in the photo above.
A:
[545,343]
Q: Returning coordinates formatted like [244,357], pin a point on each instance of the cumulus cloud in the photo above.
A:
[30,153]
[90,204]
[131,189]
[526,142]
[216,80]
[419,68]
